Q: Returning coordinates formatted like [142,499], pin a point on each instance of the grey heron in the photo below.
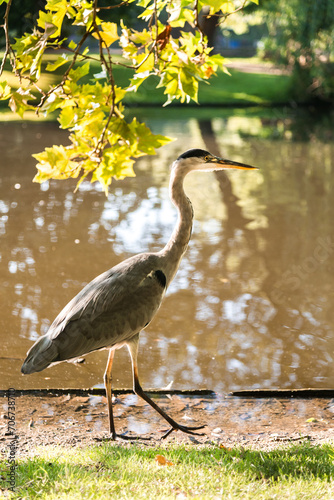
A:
[112,310]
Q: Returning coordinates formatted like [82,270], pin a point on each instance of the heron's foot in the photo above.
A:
[187,430]
[130,438]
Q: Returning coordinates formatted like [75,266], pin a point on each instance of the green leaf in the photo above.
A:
[61,60]
[189,16]
[172,86]
[5,91]
[35,69]
[45,22]
[174,10]
[72,45]
[66,117]
[52,103]
[146,62]
[53,17]
[79,72]
[119,162]
[55,163]
[218,60]
[18,102]
[189,84]
[137,80]
[145,141]
[225,6]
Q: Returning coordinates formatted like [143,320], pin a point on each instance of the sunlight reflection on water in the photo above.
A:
[251,304]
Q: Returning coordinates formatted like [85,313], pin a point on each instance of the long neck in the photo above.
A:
[178,242]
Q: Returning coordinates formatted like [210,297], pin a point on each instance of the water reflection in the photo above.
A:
[251,305]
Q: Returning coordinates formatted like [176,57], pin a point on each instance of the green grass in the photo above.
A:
[246,88]
[239,89]
[205,472]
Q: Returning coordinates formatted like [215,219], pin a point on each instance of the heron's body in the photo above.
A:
[100,316]
[115,307]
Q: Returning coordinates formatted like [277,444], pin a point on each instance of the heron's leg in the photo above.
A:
[107,384]
[133,349]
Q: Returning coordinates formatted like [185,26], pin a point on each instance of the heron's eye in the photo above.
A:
[207,158]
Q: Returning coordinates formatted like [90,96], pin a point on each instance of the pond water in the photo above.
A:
[252,303]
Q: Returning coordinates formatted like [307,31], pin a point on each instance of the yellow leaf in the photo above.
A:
[5,91]
[208,71]
[108,33]
[162,460]
[222,447]
[148,62]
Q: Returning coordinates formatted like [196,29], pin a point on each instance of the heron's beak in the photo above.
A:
[230,163]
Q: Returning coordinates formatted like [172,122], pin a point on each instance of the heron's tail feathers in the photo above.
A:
[41,355]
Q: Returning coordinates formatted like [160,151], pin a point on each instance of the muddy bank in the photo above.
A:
[71,420]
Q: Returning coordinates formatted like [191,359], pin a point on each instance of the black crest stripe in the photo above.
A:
[193,153]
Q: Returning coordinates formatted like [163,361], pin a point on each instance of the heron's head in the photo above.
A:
[198,159]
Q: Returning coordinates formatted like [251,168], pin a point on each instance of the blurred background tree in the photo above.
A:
[295,34]
[300,37]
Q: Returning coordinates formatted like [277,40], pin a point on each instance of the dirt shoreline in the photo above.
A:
[71,420]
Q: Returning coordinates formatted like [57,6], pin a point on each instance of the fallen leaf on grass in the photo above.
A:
[225,448]
[162,460]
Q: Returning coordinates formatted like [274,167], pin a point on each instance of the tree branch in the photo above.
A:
[126,2]
[8,49]
[108,65]
[60,84]
[197,25]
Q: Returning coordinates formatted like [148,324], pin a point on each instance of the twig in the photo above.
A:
[75,57]
[114,6]
[92,58]
[8,46]
[155,45]
[60,84]
[225,16]
[108,65]
[197,25]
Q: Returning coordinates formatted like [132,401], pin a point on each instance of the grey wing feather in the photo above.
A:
[106,313]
